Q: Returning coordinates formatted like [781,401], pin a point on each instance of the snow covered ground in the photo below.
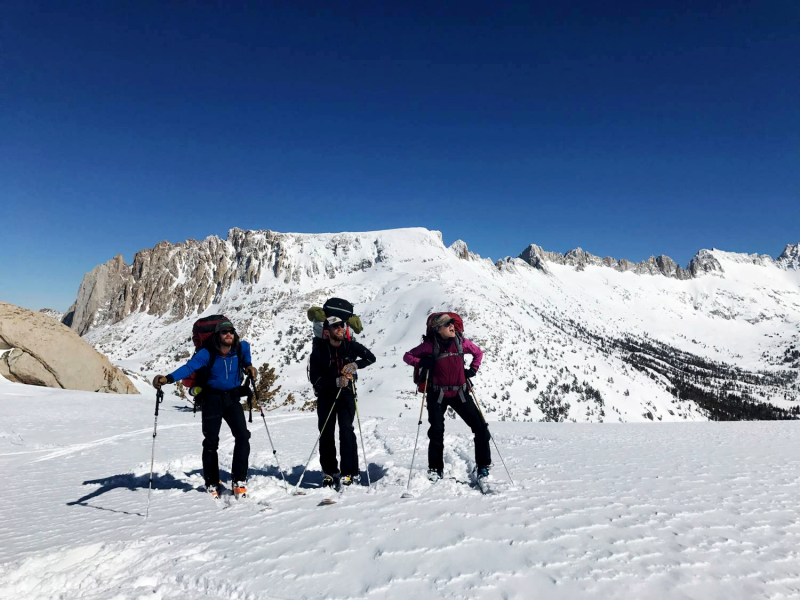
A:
[670,510]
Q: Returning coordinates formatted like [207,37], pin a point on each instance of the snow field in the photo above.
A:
[682,510]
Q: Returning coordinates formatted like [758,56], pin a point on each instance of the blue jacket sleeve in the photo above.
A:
[246,355]
[198,361]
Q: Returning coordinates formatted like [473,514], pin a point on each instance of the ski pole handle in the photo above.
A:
[159,400]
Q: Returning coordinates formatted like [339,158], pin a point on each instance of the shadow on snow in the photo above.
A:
[167,481]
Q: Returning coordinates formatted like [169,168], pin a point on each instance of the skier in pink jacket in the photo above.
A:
[442,352]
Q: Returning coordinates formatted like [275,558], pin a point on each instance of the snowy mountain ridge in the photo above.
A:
[567,337]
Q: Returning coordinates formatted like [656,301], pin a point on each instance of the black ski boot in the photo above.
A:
[333,480]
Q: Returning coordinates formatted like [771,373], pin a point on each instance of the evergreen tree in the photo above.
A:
[265,392]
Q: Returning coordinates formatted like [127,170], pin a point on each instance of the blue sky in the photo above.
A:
[626,128]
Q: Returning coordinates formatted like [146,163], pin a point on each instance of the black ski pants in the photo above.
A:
[469,412]
[218,405]
[344,412]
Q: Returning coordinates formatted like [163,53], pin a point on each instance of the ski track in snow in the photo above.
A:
[694,510]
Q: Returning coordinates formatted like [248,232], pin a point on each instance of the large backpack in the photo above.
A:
[203,337]
[338,307]
[421,375]
[333,307]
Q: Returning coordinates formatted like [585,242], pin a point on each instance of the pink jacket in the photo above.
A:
[449,372]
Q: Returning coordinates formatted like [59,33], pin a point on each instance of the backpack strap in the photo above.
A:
[438,355]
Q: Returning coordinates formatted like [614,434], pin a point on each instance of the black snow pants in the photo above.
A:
[218,405]
[468,411]
[344,412]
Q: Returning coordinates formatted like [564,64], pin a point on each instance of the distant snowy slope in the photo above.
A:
[567,337]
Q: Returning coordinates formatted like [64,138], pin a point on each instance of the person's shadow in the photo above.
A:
[167,481]
[131,482]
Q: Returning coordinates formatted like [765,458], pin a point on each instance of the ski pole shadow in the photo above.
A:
[131,482]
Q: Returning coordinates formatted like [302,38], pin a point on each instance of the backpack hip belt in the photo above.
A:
[449,388]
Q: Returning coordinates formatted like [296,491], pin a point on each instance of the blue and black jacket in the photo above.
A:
[225,373]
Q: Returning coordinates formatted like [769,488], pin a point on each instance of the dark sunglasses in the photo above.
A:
[227,332]
[450,322]
[337,325]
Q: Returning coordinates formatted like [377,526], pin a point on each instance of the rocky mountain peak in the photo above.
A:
[459,247]
[790,257]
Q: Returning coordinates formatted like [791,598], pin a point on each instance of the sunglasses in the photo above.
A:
[227,332]
[450,322]
[337,326]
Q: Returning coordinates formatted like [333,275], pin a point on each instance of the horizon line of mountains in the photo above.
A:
[189,276]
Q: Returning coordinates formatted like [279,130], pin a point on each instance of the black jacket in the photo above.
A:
[326,363]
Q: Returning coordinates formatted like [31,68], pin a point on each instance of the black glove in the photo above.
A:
[470,373]
[426,362]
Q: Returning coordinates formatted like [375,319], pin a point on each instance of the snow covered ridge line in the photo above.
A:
[186,278]
[703,262]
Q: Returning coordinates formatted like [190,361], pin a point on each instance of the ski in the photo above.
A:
[410,494]
[220,498]
[257,505]
[336,485]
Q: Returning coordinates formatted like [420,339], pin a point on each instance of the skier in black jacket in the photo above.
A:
[332,369]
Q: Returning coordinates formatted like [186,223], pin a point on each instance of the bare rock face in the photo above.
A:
[704,262]
[790,258]
[178,280]
[45,352]
[538,258]
[535,256]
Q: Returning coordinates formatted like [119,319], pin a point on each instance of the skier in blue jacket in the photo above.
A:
[223,361]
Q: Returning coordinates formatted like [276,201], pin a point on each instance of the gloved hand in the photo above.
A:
[251,372]
[426,362]
[470,373]
[315,313]
[355,323]
[160,380]
[350,369]
[343,381]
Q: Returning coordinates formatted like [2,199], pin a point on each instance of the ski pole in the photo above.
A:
[419,424]
[274,452]
[361,435]
[159,400]
[319,437]
[478,404]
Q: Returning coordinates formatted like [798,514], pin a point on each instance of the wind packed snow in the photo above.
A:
[672,510]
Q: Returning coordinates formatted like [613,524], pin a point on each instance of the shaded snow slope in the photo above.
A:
[684,510]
